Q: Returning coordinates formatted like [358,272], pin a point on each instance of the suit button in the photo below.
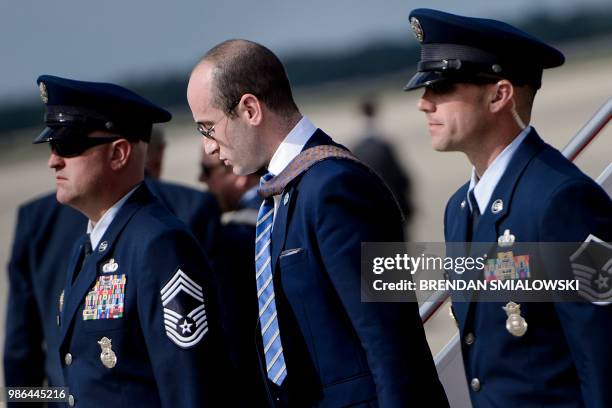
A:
[469,339]
[71,400]
[475,384]
[68,359]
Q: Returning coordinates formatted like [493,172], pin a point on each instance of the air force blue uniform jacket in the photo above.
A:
[139,323]
[44,234]
[564,358]
[199,210]
[339,351]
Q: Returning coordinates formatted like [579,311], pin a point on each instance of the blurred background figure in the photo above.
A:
[198,209]
[155,153]
[234,269]
[234,193]
[38,264]
[45,230]
[379,153]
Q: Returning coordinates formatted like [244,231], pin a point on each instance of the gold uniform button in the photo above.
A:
[68,359]
[71,400]
[469,339]
[475,384]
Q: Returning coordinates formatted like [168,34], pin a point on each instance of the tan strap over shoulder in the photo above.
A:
[300,164]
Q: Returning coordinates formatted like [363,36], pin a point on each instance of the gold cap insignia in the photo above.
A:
[43,92]
[417,29]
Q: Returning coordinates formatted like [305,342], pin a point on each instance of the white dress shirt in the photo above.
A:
[96,232]
[289,148]
[484,187]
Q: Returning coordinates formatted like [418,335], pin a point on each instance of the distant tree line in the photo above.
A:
[367,61]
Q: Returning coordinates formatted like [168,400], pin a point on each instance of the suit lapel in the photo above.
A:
[279,232]
[76,293]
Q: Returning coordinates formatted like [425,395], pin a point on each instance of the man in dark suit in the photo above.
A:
[43,229]
[480,78]
[379,153]
[138,316]
[321,345]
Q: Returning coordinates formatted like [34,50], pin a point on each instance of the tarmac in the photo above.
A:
[569,97]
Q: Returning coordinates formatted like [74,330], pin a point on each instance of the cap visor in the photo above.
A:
[421,79]
[56,133]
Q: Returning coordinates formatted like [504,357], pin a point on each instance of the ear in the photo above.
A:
[120,152]
[250,108]
[501,96]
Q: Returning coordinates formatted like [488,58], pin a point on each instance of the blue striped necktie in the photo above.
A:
[273,349]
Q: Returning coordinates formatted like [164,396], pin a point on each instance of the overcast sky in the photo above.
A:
[111,40]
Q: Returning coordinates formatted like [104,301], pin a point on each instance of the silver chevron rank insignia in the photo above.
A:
[184,310]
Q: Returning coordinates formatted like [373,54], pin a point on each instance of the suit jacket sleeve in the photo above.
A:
[186,377]
[23,352]
[575,210]
[354,207]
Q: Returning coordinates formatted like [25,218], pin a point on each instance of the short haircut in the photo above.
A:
[242,66]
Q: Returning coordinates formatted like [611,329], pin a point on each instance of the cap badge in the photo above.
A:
[43,92]
[416,28]
[107,356]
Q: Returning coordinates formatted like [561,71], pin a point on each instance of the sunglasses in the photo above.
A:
[76,146]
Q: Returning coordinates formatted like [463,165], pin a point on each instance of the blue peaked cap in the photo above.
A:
[458,48]
[75,108]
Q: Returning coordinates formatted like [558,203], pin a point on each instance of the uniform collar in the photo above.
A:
[484,187]
[292,145]
[97,232]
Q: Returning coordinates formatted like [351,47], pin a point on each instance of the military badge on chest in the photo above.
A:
[107,355]
[106,299]
[507,264]
[184,310]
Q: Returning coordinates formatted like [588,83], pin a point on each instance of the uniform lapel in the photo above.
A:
[459,216]
[77,292]
[487,229]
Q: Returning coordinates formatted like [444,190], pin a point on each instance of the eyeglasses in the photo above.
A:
[76,146]
[208,132]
